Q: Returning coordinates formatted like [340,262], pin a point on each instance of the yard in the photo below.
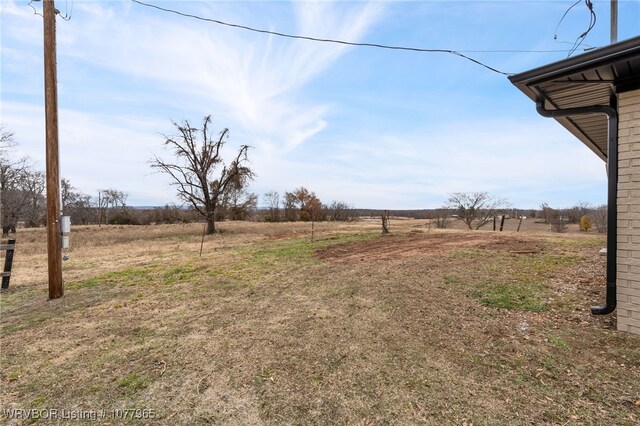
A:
[420,326]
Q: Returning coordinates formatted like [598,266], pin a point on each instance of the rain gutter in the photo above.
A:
[612,191]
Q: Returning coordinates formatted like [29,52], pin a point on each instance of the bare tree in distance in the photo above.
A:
[557,221]
[475,209]
[68,194]
[339,211]
[33,186]
[193,172]
[16,196]
[442,218]
[273,204]
[575,213]
[7,142]
[110,200]
[24,199]
[77,205]
[385,221]
[600,215]
[546,212]
[101,206]
[9,171]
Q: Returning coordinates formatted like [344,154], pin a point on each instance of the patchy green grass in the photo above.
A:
[152,274]
[16,296]
[296,249]
[182,273]
[516,280]
[132,383]
[535,265]
[518,296]
[559,342]
[269,259]
[451,279]
[466,254]
[128,276]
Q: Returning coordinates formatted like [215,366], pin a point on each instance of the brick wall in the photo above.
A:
[628,250]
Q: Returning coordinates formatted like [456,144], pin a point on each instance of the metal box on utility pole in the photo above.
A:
[65,230]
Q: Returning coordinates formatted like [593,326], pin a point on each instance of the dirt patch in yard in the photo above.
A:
[427,244]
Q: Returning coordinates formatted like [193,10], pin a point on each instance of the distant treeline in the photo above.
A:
[558,219]
[434,213]
[336,211]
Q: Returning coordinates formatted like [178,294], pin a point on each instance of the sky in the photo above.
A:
[375,128]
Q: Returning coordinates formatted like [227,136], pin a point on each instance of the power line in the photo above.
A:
[592,23]
[335,41]
[67,12]
[586,46]
[555,33]
[65,17]
[578,41]
[35,11]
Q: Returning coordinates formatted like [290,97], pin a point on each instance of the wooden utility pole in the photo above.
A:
[614,21]
[54,239]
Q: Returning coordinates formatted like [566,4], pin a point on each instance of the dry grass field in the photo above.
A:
[420,326]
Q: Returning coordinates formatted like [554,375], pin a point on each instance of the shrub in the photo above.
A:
[557,221]
[125,217]
[585,223]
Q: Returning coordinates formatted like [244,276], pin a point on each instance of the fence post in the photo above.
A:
[502,223]
[8,261]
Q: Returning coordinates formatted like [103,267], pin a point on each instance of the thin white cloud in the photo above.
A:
[253,78]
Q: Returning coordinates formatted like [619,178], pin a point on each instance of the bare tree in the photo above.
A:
[385,221]
[15,196]
[575,213]
[101,206]
[33,187]
[600,215]
[12,174]
[110,201]
[557,221]
[545,212]
[475,209]
[82,210]
[67,194]
[339,211]
[273,204]
[76,204]
[7,140]
[442,218]
[196,162]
